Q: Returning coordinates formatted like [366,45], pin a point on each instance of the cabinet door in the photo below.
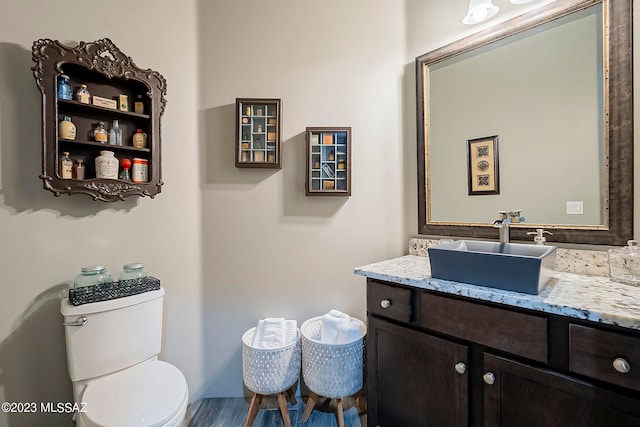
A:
[522,395]
[415,380]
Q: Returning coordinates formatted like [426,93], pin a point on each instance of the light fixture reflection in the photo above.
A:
[520,1]
[481,10]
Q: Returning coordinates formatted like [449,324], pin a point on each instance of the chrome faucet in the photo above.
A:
[503,225]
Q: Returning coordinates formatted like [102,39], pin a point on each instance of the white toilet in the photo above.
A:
[112,353]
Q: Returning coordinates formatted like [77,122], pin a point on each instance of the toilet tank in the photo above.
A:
[117,334]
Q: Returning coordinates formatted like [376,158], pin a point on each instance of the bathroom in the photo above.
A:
[230,245]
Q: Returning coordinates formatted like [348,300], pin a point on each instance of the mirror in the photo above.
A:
[549,95]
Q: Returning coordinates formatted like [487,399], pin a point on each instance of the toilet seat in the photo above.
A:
[150,394]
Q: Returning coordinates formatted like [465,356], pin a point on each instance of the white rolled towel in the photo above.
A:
[291,331]
[330,326]
[349,333]
[270,333]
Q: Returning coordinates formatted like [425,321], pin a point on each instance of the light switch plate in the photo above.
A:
[575,208]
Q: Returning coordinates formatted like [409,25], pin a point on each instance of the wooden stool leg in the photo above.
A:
[282,402]
[291,394]
[253,409]
[361,402]
[311,402]
[340,413]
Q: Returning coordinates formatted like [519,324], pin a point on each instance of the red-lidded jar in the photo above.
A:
[140,170]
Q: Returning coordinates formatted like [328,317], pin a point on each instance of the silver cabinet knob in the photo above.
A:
[461,368]
[385,303]
[621,365]
[489,378]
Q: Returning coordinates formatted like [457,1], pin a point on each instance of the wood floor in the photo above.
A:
[231,412]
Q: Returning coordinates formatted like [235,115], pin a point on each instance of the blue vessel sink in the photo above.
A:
[509,266]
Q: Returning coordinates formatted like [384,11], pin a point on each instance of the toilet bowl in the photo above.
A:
[151,394]
[118,381]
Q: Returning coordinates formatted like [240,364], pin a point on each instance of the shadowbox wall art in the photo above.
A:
[483,167]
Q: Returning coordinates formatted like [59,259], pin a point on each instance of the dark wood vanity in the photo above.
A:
[435,359]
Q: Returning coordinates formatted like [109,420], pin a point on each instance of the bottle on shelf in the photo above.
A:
[66,129]
[106,165]
[126,165]
[115,134]
[138,106]
[66,166]
[83,95]
[140,139]
[100,133]
[140,170]
[78,169]
[64,88]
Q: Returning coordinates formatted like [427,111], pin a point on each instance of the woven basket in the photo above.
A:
[271,370]
[331,370]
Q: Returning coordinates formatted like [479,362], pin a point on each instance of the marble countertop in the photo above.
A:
[593,298]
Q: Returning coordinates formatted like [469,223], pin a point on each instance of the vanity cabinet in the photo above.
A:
[435,359]
[119,91]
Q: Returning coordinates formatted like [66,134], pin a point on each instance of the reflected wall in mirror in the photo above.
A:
[555,86]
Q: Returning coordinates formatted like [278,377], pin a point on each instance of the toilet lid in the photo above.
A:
[148,394]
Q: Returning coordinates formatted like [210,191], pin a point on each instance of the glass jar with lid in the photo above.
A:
[92,275]
[100,133]
[133,271]
[624,264]
[83,95]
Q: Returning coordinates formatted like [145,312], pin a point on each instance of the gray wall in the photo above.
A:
[44,240]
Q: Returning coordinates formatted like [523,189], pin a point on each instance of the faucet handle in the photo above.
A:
[516,216]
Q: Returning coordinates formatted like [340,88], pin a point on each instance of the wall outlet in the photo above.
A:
[575,208]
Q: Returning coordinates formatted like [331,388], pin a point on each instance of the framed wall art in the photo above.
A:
[483,170]
[258,133]
[328,161]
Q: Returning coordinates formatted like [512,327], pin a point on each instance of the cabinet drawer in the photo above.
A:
[517,333]
[389,301]
[598,354]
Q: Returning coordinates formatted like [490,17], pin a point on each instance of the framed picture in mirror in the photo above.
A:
[483,171]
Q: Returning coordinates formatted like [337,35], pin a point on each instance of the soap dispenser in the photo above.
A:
[539,233]
[624,264]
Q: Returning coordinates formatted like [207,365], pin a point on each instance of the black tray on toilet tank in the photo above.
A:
[112,290]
